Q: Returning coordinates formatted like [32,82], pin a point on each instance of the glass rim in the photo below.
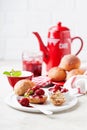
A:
[31,54]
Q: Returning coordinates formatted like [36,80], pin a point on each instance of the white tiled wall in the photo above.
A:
[19,18]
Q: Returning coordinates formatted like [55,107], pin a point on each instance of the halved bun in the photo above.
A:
[57,98]
[37,99]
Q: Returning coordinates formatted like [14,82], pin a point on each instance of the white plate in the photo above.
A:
[11,100]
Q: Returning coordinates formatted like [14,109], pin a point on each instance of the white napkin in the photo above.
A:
[77,85]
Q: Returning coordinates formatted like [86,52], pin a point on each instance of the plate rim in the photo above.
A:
[8,101]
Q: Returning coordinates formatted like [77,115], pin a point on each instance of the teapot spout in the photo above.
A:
[42,47]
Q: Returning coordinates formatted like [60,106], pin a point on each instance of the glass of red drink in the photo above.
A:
[32,61]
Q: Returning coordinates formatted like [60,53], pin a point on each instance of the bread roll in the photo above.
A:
[57,74]
[74,72]
[37,99]
[22,86]
[57,98]
[69,62]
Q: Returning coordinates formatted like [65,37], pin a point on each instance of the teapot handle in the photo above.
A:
[72,39]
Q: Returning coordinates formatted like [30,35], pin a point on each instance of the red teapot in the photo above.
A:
[58,44]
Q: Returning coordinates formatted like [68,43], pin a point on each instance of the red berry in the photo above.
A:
[39,92]
[56,87]
[36,87]
[24,102]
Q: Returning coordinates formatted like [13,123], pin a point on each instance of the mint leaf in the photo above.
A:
[13,73]
[7,73]
[16,73]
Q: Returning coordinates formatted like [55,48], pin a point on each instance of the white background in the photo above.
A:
[19,18]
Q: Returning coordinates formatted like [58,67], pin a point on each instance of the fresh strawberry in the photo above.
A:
[36,87]
[24,102]
[39,92]
[57,87]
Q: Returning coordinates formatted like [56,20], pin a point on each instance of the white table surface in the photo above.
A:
[72,119]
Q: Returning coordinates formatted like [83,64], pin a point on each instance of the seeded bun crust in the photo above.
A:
[57,98]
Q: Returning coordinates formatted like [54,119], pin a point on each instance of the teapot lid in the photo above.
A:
[54,32]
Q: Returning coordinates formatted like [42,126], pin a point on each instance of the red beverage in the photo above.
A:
[33,66]
[32,62]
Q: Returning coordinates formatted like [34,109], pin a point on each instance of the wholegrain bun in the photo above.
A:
[74,72]
[22,86]
[57,74]
[69,62]
[57,98]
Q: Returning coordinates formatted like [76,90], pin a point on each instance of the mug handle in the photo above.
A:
[81,43]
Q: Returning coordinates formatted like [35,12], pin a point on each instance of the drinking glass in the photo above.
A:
[32,61]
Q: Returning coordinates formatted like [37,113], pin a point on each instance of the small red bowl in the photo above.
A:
[25,75]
